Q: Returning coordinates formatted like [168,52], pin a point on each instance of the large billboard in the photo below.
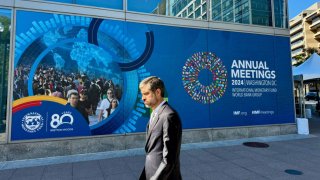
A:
[79,76]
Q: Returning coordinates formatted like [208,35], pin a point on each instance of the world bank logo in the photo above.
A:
[32,122]
[204,77]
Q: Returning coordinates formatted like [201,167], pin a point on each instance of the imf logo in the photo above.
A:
[32,122]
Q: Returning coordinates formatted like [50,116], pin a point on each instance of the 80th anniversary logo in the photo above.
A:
[57,120]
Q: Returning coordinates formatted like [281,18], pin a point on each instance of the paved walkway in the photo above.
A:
[298,154]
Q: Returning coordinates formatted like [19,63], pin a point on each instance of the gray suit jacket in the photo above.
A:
[163,146]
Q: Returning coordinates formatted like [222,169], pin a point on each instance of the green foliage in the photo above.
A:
[5,35]
[303,57]
[299,59]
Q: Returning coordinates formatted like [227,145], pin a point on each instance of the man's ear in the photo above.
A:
[158,92]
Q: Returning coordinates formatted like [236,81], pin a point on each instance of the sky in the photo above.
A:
[296,6]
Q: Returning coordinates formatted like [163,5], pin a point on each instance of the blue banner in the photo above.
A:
[213,78]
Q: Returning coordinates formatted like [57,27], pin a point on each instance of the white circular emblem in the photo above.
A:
[32,122]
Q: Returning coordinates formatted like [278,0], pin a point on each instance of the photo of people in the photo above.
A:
[79,67]
[94,95]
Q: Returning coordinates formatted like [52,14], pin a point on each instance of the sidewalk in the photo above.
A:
[214,160]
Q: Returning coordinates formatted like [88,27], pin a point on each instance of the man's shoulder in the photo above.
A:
[171,115]
[167,109]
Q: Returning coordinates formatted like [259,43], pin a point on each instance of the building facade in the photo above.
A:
[304,31]
[257,12]
[226,66]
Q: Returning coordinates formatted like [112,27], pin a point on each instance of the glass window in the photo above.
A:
[261,12]
[198,13]
[204,17]
[184,13]
[216,10]
[222,10]
[204,8]
[191,16]
[241,12]
[5,24]
[197,3]
[190,9]
[257,12]
[154,7]
[280,14]
[174,10]
[178,8]
[184,3]
[113,4]
[227,10]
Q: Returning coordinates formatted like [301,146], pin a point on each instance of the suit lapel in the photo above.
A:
[147,130]
[154,122]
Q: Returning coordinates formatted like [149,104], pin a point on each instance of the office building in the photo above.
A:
[304,31]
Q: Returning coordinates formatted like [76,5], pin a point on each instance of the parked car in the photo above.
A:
[312,96]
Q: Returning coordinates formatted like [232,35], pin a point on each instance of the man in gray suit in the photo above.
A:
[163,134]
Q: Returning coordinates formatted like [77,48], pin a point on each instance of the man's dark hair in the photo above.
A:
[155,83]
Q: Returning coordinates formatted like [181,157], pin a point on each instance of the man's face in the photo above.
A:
[73,100]
[110,94]
[149,98]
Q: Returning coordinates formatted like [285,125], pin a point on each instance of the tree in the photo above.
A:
[310,50]
[299,59]
[5,21]
[303,57]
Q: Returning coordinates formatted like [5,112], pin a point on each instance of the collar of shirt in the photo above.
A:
[155,112]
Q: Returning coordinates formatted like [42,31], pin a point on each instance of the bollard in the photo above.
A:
[303,126]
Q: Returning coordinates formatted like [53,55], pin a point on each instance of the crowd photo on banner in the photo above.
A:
[97,97]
